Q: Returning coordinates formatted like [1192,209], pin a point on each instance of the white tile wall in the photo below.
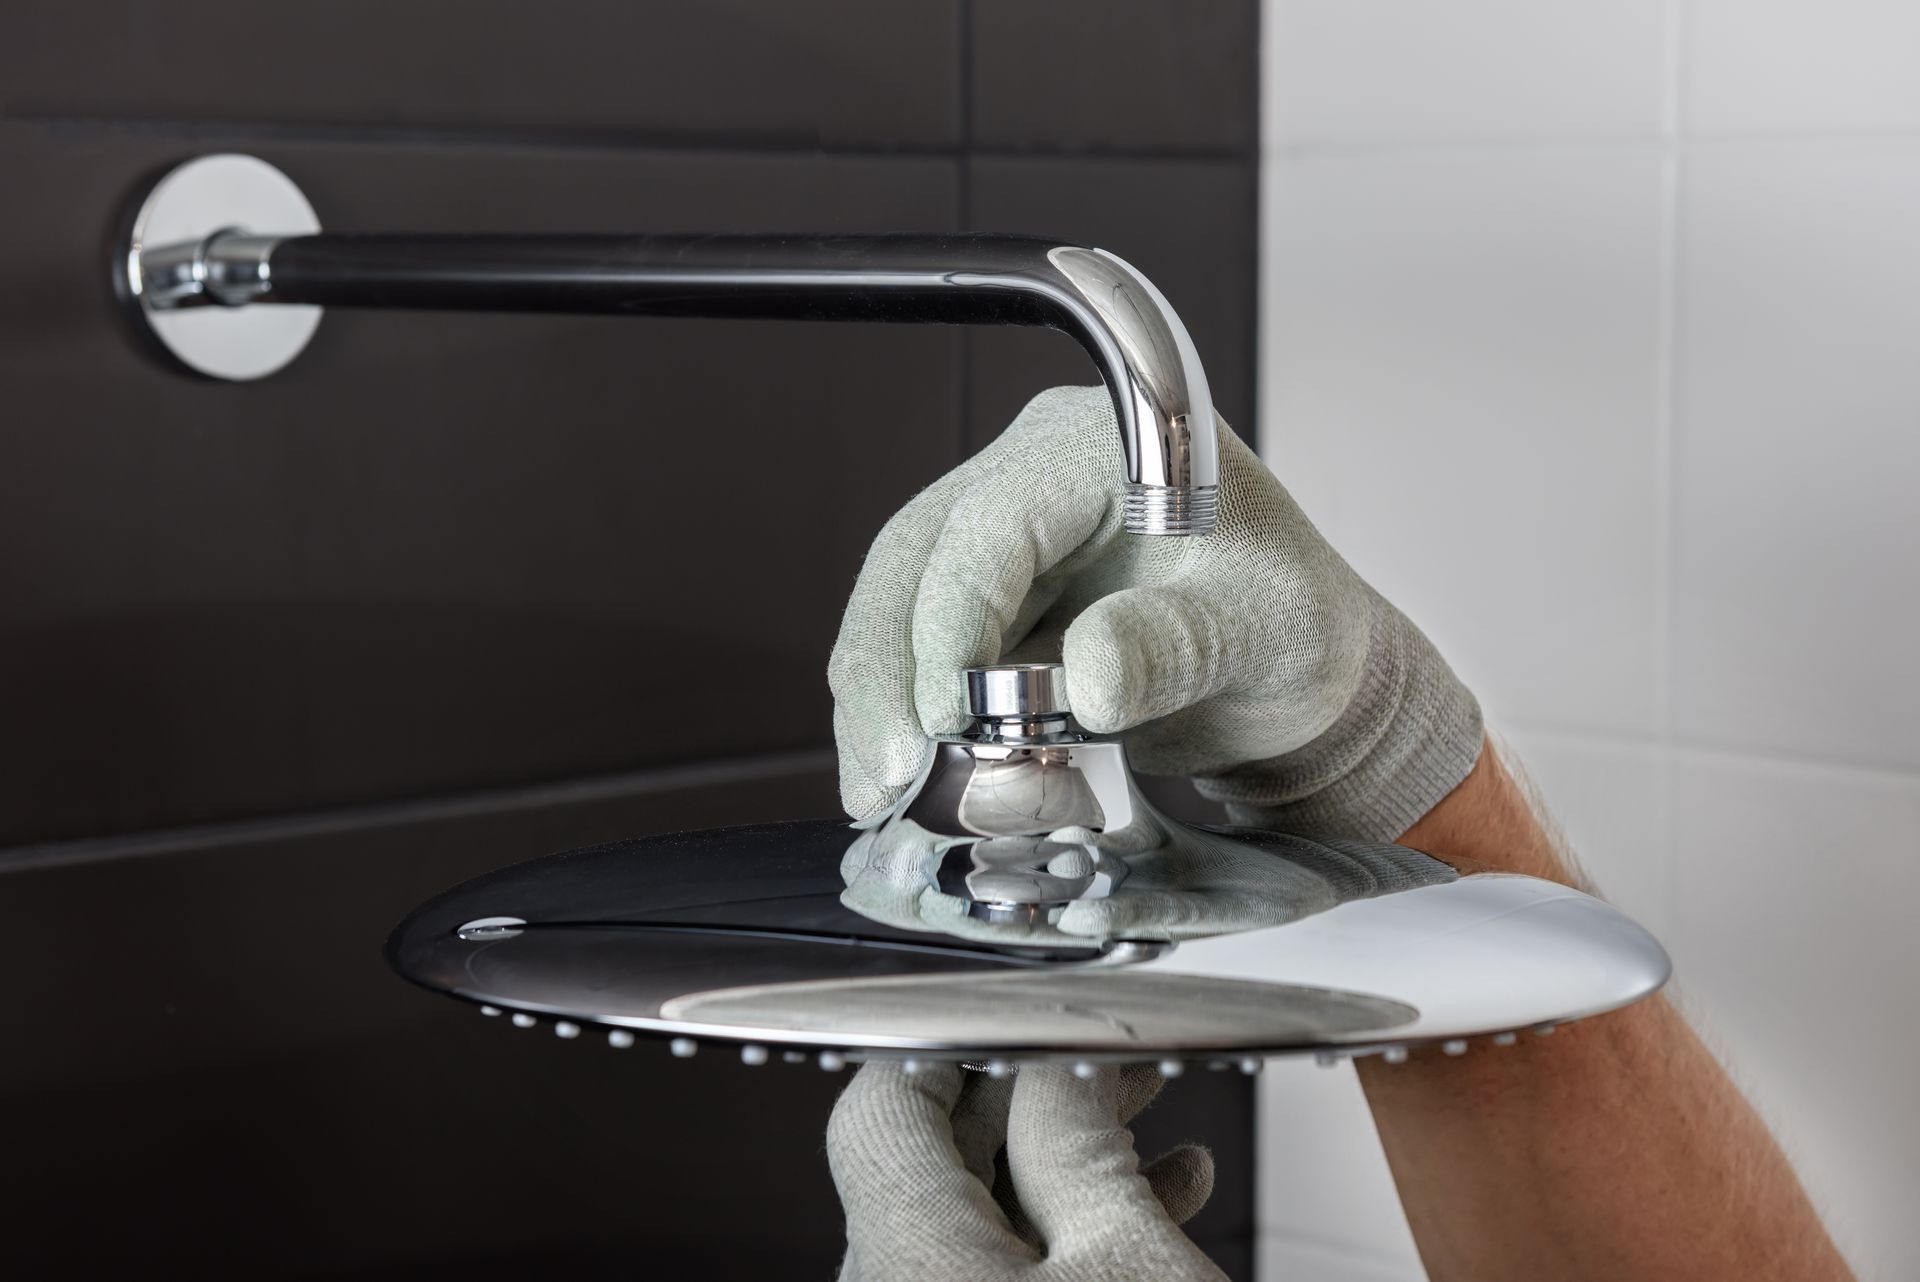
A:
[1797,66]
[1795,944]
[1610,799]
[1279,1256]
[1797,474]
[1363,70]
[1591,334]
[1482,318]
[1324,1184]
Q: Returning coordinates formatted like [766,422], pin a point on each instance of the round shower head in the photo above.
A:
[747,939]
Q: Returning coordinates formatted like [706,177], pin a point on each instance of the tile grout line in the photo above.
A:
[443,807]
[1686,140]
[1680,749]
[1269,166]
[1264,1120]
[1382,1263]
[1253,157]
[963,125]
[1673,114]
[963,218]
[612,141]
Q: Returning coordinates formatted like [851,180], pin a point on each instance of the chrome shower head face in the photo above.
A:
[1023,903]
[743,940]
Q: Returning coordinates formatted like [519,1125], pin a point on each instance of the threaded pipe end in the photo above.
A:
[1170,509]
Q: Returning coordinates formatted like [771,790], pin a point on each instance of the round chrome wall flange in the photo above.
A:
[159,273]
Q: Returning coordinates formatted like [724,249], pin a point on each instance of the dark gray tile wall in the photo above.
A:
[860,73]
[442,552]
[284,659]
[1129,76]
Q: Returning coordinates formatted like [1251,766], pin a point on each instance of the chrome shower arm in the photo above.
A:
[1144,354]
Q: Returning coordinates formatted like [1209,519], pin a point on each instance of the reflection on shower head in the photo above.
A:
[1194,883]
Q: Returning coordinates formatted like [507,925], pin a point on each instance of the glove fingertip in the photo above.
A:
[879,760]
[862,798]
[1103,663]
[1182,1180]
[1087,918]
[941,703]
[861,795]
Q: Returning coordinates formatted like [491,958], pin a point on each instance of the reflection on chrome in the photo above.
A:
[1197,883]
[1026,828]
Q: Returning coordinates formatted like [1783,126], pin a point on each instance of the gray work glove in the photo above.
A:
[1252,659]
[953,1176]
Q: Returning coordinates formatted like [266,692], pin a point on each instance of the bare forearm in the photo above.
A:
[1616,1148]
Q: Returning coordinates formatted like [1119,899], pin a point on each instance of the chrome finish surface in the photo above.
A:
[1166,411]
[741,937]
[1025,825]
[1017,691]
[1022,813]
[1097,1011]
[1024,901]
[181,263]
[1015,829]
[1165,509]
[491,928]
[197,267]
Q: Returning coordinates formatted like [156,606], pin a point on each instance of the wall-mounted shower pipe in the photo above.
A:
[1144,354]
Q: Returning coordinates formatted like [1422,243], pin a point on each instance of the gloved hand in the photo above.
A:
[952,1176]
[1253,659]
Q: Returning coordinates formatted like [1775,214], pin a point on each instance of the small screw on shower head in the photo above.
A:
[1505,1039]
[1326,1059]
[753,1056]
[1084,1071]
[1456,1046]
[1171,1068]
[1544,1030]
[1250,1065]
[1394,1054]
[832,1061]
[566,1030]
[999,1068]
[683,1047]
[523,1020]
[620,1039]
[489,1010]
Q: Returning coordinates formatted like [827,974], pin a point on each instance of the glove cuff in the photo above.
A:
[1410,735]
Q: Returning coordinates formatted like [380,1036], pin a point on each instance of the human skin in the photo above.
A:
[1617,1148]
